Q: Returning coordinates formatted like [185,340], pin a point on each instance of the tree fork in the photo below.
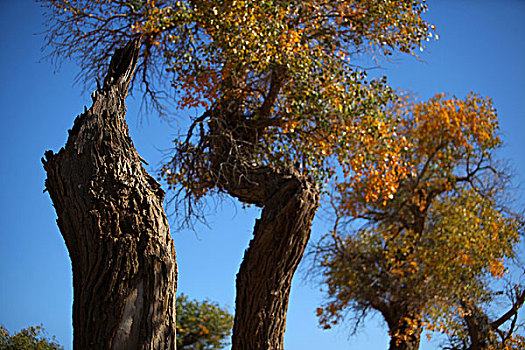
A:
[111,218]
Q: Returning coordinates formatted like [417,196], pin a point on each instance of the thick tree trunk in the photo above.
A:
[111,218]
[478,327]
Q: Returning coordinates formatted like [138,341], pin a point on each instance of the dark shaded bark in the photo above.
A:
[478,329]
[111,218]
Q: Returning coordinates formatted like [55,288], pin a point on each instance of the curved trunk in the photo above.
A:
[289,200]
[111,218]
[265,277]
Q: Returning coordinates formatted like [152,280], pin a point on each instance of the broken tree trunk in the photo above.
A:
[111,218]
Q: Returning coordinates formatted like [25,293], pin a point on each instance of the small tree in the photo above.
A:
[202,325]
[30,338]
[425,256]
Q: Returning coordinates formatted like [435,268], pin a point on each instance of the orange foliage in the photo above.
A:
[439,235]
[288,63]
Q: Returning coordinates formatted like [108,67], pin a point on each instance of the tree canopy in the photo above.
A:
[287,66]
[425,257]
[202,325]
[30,338]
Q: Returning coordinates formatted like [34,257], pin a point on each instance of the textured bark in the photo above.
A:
[111,218]
[289,201]
[265,277]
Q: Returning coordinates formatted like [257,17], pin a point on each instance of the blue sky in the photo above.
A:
[481,49]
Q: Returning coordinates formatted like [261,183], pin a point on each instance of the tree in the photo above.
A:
[479,332]
[111,218]
[201,325]
[30,338]
[283,107]
[425,257]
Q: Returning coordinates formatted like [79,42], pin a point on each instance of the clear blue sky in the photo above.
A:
[481,49]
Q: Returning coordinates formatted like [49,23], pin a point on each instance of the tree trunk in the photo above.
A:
[289,200]
[265,277]
[405,333]
[478,327]
[111,218]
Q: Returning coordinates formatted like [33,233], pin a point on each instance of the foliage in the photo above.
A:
[479,331]
[201,325]
[279,87]
[433,247]
[285,66]
[30,338]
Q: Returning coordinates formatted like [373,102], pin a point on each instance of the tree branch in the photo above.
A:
[513,311]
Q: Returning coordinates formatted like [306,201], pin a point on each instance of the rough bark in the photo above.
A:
[111,218]
[265,277]
[289,201]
